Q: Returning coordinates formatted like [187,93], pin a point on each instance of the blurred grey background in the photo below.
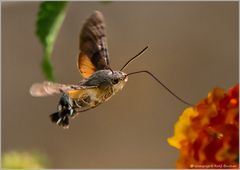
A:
[193,47]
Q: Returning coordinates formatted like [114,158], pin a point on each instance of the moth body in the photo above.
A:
[100,83]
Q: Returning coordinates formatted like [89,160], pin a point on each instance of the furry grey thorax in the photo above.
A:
[105,79]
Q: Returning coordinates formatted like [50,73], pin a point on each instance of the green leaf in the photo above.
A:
[24,160]
[49,20]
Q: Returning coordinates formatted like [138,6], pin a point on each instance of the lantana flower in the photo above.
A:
[207,134]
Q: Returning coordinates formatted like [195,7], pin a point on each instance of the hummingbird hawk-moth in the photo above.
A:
[100,82]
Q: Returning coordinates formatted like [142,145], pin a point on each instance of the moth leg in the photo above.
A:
[76,103]
[80,103]
[78,111]
[83,102]
[86,100]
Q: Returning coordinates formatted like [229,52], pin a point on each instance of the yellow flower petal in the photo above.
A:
[182,127]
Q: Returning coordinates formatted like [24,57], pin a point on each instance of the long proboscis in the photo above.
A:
[170,91]
[129,61]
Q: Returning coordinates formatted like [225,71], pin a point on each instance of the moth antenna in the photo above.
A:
[110,69]
[149,73]
[129,61]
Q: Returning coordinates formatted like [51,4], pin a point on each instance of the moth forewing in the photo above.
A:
[93,46]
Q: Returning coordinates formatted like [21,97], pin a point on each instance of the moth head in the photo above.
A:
[118,80]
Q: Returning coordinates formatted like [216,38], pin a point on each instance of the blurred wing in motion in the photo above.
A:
[48,88]
[93,46]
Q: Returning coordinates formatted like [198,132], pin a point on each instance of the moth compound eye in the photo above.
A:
[115,81]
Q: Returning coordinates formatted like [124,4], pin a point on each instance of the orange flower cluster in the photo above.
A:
[207,135]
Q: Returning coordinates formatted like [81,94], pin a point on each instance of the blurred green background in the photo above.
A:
[193,47]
